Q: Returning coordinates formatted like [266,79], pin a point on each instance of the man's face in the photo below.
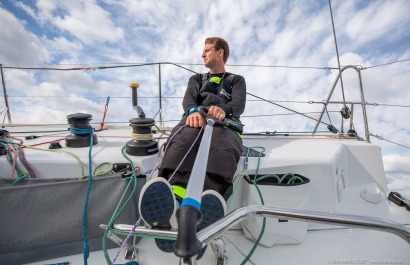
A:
[211,56]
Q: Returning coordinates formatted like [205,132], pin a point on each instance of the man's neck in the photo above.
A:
[217,70]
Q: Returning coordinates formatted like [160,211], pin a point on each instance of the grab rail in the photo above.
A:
[363,102]
[216,229]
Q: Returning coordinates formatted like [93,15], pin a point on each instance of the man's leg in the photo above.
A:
[157,207]
[213,208]
[224,155]
[178,148]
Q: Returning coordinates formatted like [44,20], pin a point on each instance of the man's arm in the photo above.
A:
[190,101]
[191,94]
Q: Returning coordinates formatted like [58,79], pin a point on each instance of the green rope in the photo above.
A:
[118,211]
[242,174]
[264,218]
[269,176]
[18,180]
[294,178]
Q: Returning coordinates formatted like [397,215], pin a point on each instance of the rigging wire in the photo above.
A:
[122,65]
[337,53]
[180,65]
[180,97]
[384,64]
[383,139]
[390,105]
[296,112]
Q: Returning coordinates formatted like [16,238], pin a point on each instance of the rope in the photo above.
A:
[79,131]
[126,239]
[60,151]
[102,173]
[189,150]
[292,179]
[141,137]
[262,202]
[13,160]
[115,216]
[84,222]
[243,174]
[118,210]
[262,229]
[139,219]
[9,157]
[105,112]
[58,140]
[23,161]
[18,180]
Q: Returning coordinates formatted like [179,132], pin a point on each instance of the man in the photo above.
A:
[225,95]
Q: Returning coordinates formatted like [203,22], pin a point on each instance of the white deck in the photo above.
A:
[339,169]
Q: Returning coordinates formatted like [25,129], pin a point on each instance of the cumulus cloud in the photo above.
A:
[289,34]
[19,46]
[397,164]
[85,20]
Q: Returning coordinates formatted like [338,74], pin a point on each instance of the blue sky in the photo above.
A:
[295,33]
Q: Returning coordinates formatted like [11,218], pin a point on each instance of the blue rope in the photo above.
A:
[77,131]
[21,160]
[11,159]
[84,224]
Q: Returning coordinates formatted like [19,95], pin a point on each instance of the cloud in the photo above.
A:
[279,33]
[399,183]
[397,164]
[380,19]
[19,46]
[26,9]
[85,20]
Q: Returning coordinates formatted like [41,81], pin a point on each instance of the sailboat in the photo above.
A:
[317,198]
[69,193]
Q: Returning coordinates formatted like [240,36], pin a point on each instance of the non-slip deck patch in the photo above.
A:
[250,152]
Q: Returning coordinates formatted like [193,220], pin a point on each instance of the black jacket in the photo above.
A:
[196,95]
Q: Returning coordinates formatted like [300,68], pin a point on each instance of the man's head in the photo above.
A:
[219,43]
[216,52]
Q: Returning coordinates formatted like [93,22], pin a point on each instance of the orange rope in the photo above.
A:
[13,166]
[23,157]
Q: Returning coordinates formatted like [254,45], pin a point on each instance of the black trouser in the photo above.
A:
[224,154]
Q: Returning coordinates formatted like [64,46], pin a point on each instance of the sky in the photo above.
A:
[285,49]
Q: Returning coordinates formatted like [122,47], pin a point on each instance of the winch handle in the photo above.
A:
[204,113]
[236,126]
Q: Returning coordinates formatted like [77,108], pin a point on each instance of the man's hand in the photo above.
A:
[195,120]
[216,113]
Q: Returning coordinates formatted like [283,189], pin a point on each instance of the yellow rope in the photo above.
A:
[141,137]
[61,151]
[102,173]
